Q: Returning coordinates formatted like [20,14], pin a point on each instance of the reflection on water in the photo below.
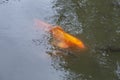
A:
[20,58]
[3,1]
[98,24]
[6,1]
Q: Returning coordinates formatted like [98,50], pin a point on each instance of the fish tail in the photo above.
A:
[42,25]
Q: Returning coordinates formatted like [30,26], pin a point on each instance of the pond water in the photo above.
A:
[25,52]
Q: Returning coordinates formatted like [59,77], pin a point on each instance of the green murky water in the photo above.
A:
[24,49]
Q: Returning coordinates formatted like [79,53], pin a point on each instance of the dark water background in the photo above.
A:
[24,49]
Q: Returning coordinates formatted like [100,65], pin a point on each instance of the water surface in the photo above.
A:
[25,52]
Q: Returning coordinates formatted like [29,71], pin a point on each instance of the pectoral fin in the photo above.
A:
[62,45]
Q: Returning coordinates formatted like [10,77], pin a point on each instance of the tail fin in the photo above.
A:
[42,25]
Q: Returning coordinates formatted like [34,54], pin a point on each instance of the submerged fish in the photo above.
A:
[61,38]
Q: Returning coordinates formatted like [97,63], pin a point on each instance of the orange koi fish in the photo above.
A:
[61,38]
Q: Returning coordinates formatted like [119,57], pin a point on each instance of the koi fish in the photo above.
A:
[61,38]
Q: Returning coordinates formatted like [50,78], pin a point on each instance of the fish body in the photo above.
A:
[64,39]
[61,38]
